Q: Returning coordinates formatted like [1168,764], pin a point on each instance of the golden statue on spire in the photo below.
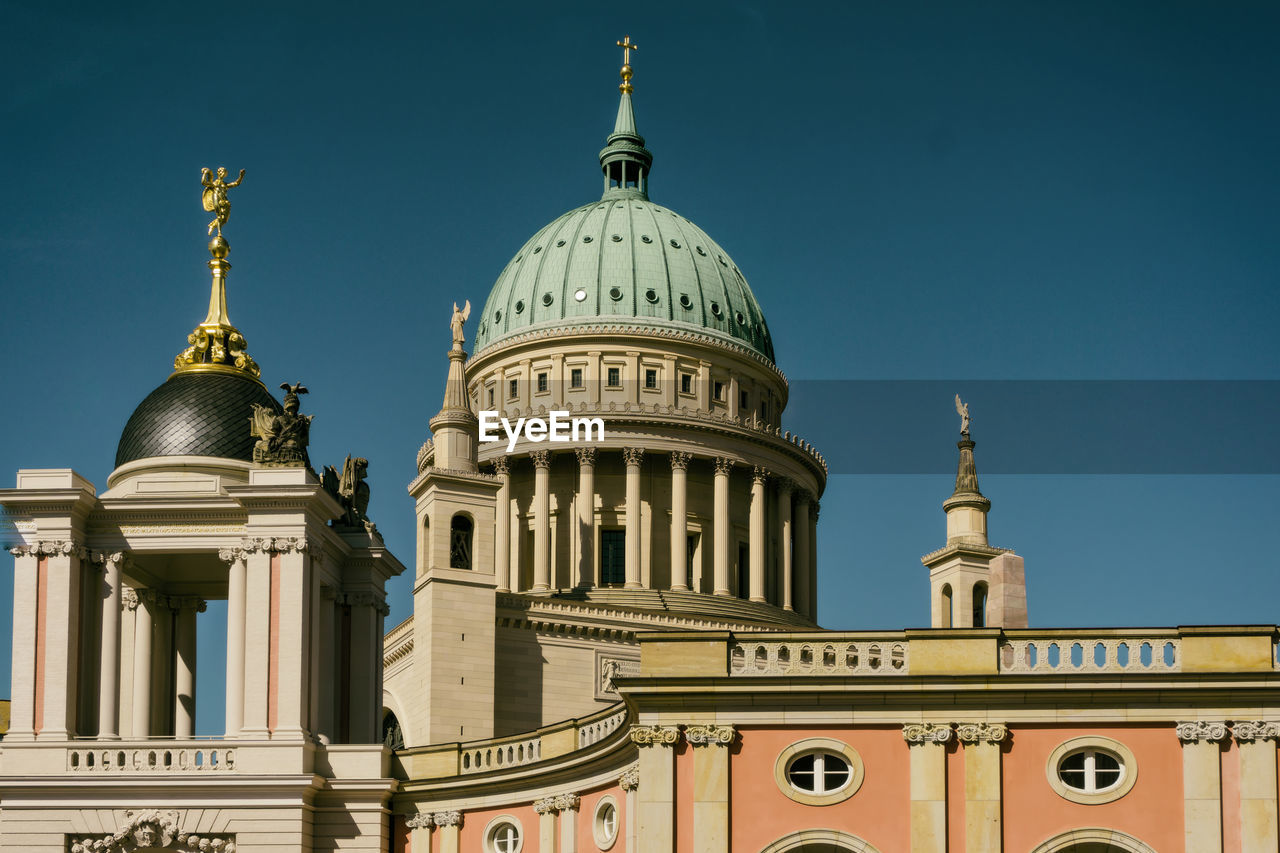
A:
[627,46]
[215,196]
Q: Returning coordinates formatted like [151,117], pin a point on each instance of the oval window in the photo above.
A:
[604,825]
[685,301]
[1092,771]
[519,306]
[819,773]
[579,294]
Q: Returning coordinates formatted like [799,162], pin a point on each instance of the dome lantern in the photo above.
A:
[624,160]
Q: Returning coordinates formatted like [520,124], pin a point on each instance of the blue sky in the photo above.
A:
[922,191]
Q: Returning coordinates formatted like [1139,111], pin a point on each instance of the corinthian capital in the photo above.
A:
[501,465]
[421,820]
[655,735]
[547,805]
[586,455]
[630,779]
[700,735]
[680,460]
[541,458]
[918,733]
[633,455]
[448,818]
[982,732]
[1199,730]
[723,464]
[568,802]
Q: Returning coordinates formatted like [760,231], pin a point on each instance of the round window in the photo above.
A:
[519,305]
[819,773]
[604,826]
[503,836]
[547,299]
[615,293]
[579,294]
[1092,771]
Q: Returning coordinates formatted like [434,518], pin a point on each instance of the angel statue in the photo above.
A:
[962,409]
[282,438]
[459,320]
[215,196]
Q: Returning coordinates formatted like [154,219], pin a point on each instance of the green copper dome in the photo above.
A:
[624,262]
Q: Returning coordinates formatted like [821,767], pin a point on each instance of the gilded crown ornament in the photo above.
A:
[215,344]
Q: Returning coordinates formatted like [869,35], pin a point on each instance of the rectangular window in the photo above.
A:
[744,570]
[575,378]
[613,556]
[686,383]
[717,390]
[743,401]
[764,410]
[651,379]
[491,398]
[515,389]
[542,382]
[615,377]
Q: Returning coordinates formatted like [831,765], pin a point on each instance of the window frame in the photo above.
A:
[604,840]
[610,374]
[686,384]
[809,746]
[543,385]
[491,831]
[577,378]
[651,379]
[1092,743]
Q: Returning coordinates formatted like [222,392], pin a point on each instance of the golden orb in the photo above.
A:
[218,247]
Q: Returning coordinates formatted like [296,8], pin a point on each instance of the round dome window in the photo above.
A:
[519,306]
[715,309]
[579,294]
[615,293]
[685,301]
[651,295]
[547,299]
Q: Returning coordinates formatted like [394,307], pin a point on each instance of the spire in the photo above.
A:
[454,429]
[967,508]
[625,161]
[215,344]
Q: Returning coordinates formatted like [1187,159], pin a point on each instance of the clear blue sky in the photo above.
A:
[926,190]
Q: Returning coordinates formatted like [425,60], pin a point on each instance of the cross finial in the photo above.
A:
[627,46]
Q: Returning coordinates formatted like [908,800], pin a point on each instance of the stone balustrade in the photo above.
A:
[152,757]
[886,656]
[1057,652]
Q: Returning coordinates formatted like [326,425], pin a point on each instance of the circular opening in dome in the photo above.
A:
[701,252]
[559,244]
[651,295]
[497,316]
[686,301]
[579,294]
[720,258]
[738,316]
[645,238]
[615,293]
[586,239]
[519,306]
[537,249]
[547,299]
[715,308]
[675,244]
[617,238]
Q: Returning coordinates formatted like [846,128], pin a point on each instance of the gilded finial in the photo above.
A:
[216,344]
[627,46]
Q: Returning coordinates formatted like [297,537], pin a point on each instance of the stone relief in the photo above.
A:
[152,829]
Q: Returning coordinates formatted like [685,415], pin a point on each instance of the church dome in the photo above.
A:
[624,262]
[195,414]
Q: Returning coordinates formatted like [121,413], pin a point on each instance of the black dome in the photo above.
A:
[195,414]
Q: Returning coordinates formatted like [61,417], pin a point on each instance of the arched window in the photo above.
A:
[460,530]
[424,545]
[946,606]
[392,734]
[980,604]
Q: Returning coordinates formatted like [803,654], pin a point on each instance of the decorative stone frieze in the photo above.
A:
[630,779]
[421,820]
[452,818]
[700,735]
[633,455]
[547,805]
[680,460]
[918,733]
[586,455]
[723,464]
[568,802]
[982,732]
[655,735]
[1199,730]
[1251,730]
[541,458]
[153,829]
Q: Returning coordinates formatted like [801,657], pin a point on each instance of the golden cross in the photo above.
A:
[627,47]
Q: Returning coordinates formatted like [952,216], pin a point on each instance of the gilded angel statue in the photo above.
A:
[459,320]
[215,196]
[962,409]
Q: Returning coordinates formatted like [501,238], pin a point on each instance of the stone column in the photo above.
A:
[236,590]
[784,544]
[143,600]
[710,786]
[545,809]
[567,805]
[1256,741]
[541,520]
[184,678]
[656,810]
[61,641]
[812,570]
[109,662]
[982,789]
[720,523]
[629,781]
[1202,784]
[680,519]
[756,534]
[418,826]
[800,560]
[633,456]
[450,824]
[26,591]
[507,580]
[587,516]
[927,745]
[292,689]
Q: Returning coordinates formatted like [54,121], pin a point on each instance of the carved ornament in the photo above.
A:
[632,455]
[1199,730]
[453,818]
[630,779]
[680,460]
[700,735]
[1251,730]
[918,733]
[655,735]
[982,732]
[421,820]
[152,829]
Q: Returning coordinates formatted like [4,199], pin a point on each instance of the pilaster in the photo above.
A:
[567,806]
[656,798]
[419,828]
[449,824]
[982,786]
[545,809]
[927,747]
[710,786]
[1256,742]
[629,781]
[1202,784]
